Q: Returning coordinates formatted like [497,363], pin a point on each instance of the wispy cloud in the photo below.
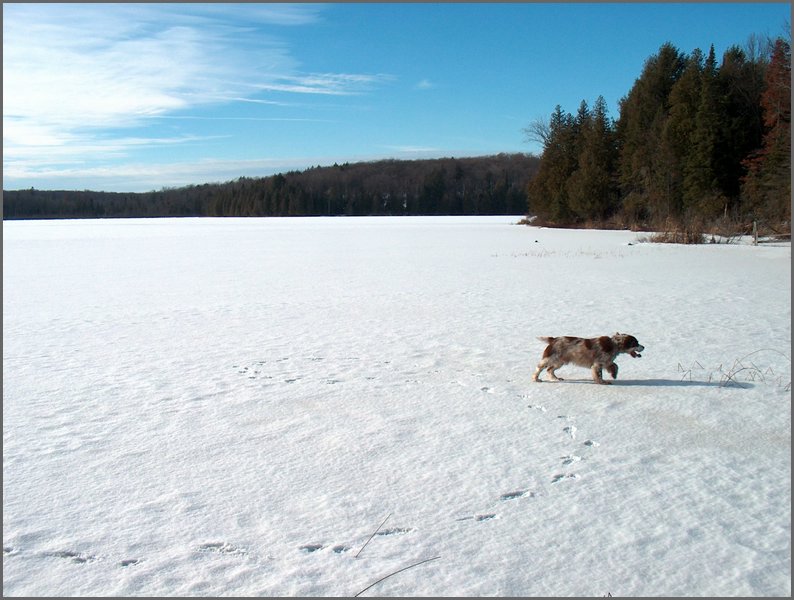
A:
[424,84]
[143,177]
[76,75]
[27,160]
[333,84]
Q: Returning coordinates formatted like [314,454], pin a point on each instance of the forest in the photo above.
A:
[487,185]
[699,144]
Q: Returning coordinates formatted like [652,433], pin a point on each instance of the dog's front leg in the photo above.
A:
[612,369]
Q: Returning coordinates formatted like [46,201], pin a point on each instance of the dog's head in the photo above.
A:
[628,344]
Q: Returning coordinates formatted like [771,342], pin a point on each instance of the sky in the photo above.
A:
[136,97]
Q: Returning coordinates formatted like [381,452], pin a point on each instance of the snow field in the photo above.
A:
[221,407]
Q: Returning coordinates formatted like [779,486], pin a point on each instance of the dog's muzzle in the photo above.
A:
[635,353]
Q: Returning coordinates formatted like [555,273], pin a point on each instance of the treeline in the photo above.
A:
[450,186]
[696,143]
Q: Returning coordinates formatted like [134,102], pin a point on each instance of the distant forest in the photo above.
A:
[451,186]
[698,144]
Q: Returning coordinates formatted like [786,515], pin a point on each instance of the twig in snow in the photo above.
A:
[421,562]
[372,536]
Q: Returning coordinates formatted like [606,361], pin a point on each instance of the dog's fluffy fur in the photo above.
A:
[596,353]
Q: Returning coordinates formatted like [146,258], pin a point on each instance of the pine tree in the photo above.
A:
[678,133]
[547,195]
[590,188]
[701,195]
[643,114]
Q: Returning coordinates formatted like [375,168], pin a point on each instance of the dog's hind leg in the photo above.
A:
[598,375]
[552,375]
[547,364]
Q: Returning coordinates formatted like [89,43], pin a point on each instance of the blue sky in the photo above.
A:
[135,97]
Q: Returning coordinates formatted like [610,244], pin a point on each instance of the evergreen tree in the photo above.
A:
[740,84]
[547,194]
[643,114]
[590,188]
[581,123]
[701,195]
[678,133]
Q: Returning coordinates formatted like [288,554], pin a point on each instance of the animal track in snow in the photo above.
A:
[561,476]
[309,370]
[570,430]
[485,517]
[479,518]
[570,459]
[337,548]
[75,557]
[591,443]
[503,498]
[516,494]
[341,548]
[220,548]
[393,531]
[129,562]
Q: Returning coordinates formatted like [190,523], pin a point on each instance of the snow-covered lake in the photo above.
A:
[233,407]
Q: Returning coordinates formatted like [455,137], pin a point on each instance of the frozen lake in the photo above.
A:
[233,406]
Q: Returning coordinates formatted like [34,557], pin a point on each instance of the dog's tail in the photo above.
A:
[546,339]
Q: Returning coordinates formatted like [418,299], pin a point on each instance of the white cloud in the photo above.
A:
[424,84]
[76,75]
[99,71]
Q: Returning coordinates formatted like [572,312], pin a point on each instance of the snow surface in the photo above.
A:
[217,407]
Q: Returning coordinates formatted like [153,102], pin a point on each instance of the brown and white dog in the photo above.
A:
[596,353]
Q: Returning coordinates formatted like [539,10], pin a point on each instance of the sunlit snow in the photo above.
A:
[260,407]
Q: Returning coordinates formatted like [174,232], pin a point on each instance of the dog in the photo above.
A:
[596,353]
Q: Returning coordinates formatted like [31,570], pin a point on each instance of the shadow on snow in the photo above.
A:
[680,383]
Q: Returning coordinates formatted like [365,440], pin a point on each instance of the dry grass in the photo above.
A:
[743,372]
[697,230]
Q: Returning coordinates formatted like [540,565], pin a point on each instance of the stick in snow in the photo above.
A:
[372,536]
[395,573]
